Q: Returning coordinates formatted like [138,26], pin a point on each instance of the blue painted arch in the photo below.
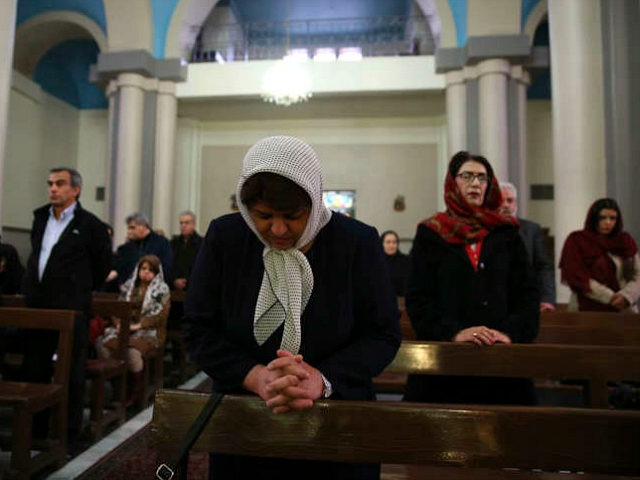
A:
[64,73]
[93,9]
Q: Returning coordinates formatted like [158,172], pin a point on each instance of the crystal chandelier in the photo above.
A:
[286,83]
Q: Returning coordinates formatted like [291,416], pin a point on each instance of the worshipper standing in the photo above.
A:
[397,261]
[470,281]
[141,240]
[70,256]
[532,237]
[290,302]
[600,263]
[185,248]
[145,285]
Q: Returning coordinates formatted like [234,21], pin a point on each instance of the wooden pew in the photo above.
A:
[572,328]
[178,347]
[596,365]
[103,370]
[25,399]
[153,372]
[468,437]
[590,328]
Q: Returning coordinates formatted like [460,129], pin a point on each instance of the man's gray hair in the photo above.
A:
[511,186]
[189,213]
[138,218]
[76,178]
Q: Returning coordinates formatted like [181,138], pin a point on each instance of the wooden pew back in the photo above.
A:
[45,319]
[595,364]
[590,328]
[596,441]
[25,399]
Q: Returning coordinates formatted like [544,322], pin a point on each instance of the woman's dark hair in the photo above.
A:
[389,232]
[277,191]
[154,265]
[462,157]
[594,213]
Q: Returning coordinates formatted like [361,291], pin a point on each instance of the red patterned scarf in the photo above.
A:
[462,223]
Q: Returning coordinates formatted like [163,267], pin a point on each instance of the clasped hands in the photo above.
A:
[286,383]
[619,302]
[481,335]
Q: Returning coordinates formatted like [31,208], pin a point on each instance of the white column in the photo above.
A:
[493,115]
[578,114]
[522,78]
[110,92]
[7,32]
[164,179]
[128,157]
[456,112]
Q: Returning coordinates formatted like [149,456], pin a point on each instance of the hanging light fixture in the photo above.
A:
[286,83]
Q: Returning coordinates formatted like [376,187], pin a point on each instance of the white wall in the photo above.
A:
[540,158]
[92,157]
[43,133]
[378,157]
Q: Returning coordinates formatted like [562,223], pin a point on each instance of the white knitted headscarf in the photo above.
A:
[287,282]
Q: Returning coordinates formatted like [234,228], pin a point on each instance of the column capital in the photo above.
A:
[520,74]
[455,77]
[166,88]
[111,88]
[470,73]
[494,65]
[111,64]
[129,79]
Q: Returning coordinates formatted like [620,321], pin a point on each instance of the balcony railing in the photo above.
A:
[378,36]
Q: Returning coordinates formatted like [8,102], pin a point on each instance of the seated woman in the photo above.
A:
[397,261]
[290,302]
[145,285]
[600,263]
[471,282]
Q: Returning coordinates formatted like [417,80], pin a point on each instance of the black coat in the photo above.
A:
[446,295]
[399,270]
[532,236]
[78,264]
[184,255]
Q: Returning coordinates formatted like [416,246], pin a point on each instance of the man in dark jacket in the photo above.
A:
[532,237]
[70,257]
[185,248]
[141,241]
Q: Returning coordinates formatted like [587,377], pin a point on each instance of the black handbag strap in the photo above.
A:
[166,471]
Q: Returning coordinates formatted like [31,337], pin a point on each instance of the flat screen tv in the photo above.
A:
[343,201]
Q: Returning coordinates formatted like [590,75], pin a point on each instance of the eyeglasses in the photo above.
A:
[469,177]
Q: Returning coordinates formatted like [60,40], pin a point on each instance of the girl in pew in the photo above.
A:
[145,285]
[470,281]
[600,263]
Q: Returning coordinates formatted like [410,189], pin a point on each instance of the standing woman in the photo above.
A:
[397,262]
[471,282]
[600,263]
[290,302]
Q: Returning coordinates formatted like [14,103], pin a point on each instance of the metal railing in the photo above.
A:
[375,36]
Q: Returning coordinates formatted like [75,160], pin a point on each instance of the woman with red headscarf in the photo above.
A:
[471,282]
[600,263]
